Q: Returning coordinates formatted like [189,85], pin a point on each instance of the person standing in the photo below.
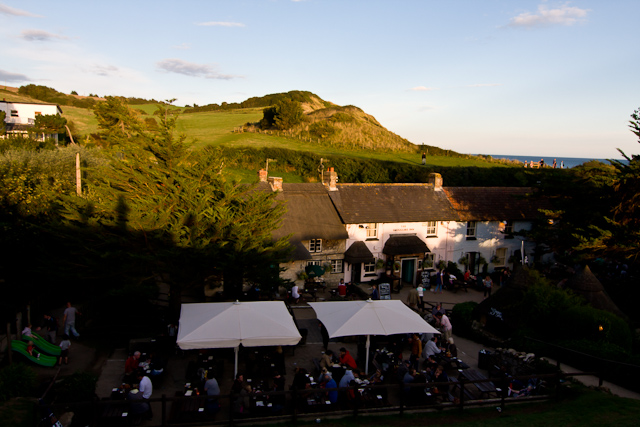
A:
[438,282]
[424,158]
[445,326]
[65,344]
[212,389]
[488,284]
[416,351]
[295,294]
[69,320]
[420,290]
[375,295]
[50,325]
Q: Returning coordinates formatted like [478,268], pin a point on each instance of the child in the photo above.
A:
[30,348]
[64,346]
[27,331]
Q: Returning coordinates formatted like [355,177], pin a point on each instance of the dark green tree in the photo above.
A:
[285,114]
[50,123]
[3,128]
[177,212]
[117,123]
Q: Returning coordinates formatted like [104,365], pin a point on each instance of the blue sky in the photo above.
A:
[499,77]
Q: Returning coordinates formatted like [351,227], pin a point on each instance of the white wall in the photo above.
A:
[489,238]
[26,112]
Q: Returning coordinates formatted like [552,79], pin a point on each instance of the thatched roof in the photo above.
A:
[587,285]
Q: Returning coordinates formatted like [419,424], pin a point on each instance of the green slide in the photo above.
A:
[43,344]
[44,360]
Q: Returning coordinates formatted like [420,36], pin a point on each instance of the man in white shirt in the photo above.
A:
[431,348]
[445,326]
[146,388]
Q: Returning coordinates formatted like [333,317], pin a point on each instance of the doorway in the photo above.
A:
[408,268]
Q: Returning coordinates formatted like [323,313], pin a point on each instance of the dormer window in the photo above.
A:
[315,245]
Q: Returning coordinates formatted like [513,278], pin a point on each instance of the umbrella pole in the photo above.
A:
[366,366]
[235,372]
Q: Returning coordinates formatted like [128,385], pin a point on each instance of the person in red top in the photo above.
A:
[342,288]
[347,359]
[131,365]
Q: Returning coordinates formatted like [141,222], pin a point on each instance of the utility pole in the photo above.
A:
[78,176]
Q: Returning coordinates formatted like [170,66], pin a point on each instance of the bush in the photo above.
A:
[16,380]
[598,326]
[462,317]
[77,387]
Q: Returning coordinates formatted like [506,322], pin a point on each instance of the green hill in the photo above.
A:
[341,135]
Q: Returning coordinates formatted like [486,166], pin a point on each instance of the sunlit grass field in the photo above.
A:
[217,128]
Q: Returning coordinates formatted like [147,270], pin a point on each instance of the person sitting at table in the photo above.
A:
[439,377]
[146,388]
[430,364]
[301,379]
[432,348]
[328,359]
[277,400]
[329,383]
[131,366]
[212,389]
[138,406]
[346,359]
[437,309]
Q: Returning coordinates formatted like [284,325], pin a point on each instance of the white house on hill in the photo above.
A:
[21,116]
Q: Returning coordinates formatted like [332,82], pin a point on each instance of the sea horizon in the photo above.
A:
[569,162]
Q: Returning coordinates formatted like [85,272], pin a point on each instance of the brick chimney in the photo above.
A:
[262,175]
[275,182]
[436,180]
[330,179]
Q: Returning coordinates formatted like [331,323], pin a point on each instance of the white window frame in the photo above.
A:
[313,263]
[472,229]
[369,267]
[508,229]
[315,245]
[336,266]
[372,230]
[432,228]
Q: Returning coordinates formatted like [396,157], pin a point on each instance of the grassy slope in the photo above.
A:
[216,128]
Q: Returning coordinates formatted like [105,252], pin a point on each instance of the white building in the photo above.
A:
[21,116]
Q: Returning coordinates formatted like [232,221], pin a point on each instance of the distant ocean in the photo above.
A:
[569,162]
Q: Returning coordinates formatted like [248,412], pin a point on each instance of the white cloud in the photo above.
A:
[40,36]
[104,70]
[485,85]
[6,76]
[191,69]
[422,88]
[220,24]
[183,46]
[564,15]
[6,10]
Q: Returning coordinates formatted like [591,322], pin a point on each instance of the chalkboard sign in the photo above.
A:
[425,279]
[385,291]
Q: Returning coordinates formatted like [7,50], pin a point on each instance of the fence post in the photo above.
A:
[461,395]
[294,399]
[164,410]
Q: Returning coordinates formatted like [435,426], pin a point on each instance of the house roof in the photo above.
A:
[310,213]
[363,203]
[494,203]
[358,252]
[32,103]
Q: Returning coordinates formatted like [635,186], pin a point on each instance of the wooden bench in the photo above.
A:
[486,388]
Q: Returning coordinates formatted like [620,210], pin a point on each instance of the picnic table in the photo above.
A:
[486,388]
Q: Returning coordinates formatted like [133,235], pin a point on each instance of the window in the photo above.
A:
[471,230]
[428,260]
[501,256]
[369,267]
[372,230]
[508,230]
[432,228]
[14,113]
[315,245]
[336,266]
[313,263]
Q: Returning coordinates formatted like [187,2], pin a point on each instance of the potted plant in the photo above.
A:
[463,261]
[302,275]
[427,263]
[327,267]
[495,259]
[481,260]
[379,264]
[396,266]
